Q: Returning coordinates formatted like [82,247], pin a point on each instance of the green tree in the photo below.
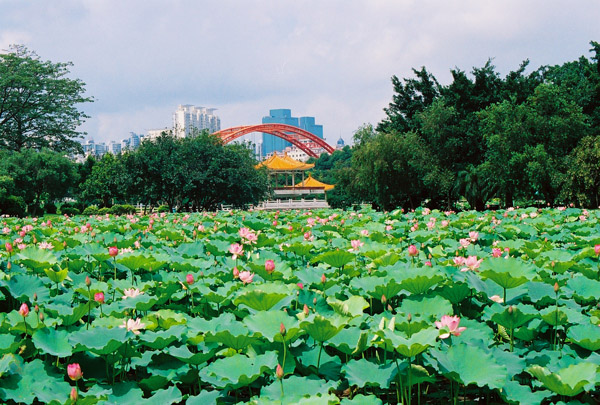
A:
[108,181]
[38,103]
[582,182]
[39,176]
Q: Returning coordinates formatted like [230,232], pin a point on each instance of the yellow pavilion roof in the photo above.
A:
[311,182]
[284,162]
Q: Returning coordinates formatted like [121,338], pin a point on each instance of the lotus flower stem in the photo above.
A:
[409,380]
[319,358]
[87,326]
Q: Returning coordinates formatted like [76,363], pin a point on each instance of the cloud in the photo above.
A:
[328,59]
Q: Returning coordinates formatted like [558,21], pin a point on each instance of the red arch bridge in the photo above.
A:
[296,136]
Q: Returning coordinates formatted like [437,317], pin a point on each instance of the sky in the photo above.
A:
[331,59]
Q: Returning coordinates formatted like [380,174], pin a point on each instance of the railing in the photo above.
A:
[292,204]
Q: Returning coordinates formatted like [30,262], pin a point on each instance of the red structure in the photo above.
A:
[296,136]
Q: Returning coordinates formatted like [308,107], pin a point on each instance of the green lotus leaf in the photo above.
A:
[352,307]
[52,341]
[568,381]
[388,259]
[8,343]
[137,261]
[507,273]
[238,370]
[98,340]
[300,249]
[586,336]
[420,284]
[56,276]
[584,289]
[218,247]
[23,286]
[558,260]
[470,365]
[268,324]
[167,396]
[36,380]
[36,258]
[163,338]
[184,354]
[231,333]
[365,373]
[512,319]
[204,397]
[361,399]
[555,316]
[259,300]
[11,364]
[529,331]
[143,302]
[320,328]
[515,393]
[351,340]
[426,308]
[455,292]
[409,346]
[337,258]
[390,289]
[120,393]
[296,388]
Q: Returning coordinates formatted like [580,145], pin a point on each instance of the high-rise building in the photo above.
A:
[187,117]
[272,143]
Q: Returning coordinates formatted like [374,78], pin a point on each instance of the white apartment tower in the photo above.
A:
[188,116]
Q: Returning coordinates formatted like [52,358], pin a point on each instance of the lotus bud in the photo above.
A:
[9,247]
[74,371]
[113,251]
[36,308]
[65,244]
[510,309]
[390,308]
[412,250]
[74,395]
[556,287]
[270,266]
[282,329]
[597,250]
[279,371]
[409,317]
[35,296]
[24,309]
[315,301]
[236,272]
[305,309]
[88,282]
[189,278]
[323,279]
[41,317]
[8,266]
[383,299]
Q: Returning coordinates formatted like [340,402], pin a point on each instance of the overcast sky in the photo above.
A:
[332,60]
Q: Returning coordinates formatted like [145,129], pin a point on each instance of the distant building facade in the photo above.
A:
[187,117]
[272,143]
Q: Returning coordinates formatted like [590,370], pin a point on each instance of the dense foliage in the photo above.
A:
[524,137]
[38,103]
[300,307]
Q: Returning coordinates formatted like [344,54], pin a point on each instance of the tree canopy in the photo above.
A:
[39,103]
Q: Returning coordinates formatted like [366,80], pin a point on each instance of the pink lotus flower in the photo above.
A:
[364,232]
[474,235]
[9,247]
[496,252]
[323,279]
[308,236]
[412,251]
[300,285]
[189,278]
[24,310]
[497,298]
[236,273]
[464,242]
[596,249]
[310,222]
[131,293]
[428,263]
[46,245]
[449,324]
[99,297]
[356,244]
[236,250]
[458,260]
[246,277]
[74,371]
[133,326]
[472,263]
[270,266]
[388,228]
[113,251]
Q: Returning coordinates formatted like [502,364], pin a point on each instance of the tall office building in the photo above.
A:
[187,117]
[271,143]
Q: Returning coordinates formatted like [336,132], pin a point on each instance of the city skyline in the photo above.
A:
[330,60]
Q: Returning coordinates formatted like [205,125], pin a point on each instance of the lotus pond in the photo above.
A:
[302,308]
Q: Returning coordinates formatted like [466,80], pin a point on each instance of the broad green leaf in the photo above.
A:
[295,388]
[365,373]
[56,276]
[53,342]
[409,346]
[507,273]
[426,308]
[268,324]
[36,258]
[98,340]
[514,316]
[585,335]
[568,381]
[320,328]
[470,365]
[352,307]
[338,258]
[238,370]
[259,300]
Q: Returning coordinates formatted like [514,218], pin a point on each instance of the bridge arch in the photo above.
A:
[290,133]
